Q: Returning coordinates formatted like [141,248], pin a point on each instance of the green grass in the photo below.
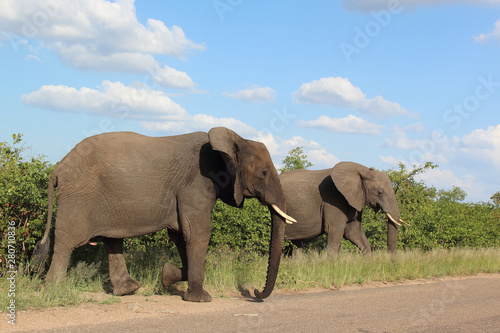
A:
[32,292]
[321,271]
[229,273]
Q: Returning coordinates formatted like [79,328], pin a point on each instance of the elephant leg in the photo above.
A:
[59,264]
[123,284]
[194,219]
[333,240]
[196,250]
[172,274]
[63,247]
[192,255]
[354,233]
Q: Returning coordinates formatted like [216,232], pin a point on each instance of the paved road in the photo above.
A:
[470,305]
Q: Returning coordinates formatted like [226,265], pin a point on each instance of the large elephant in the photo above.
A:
[117,185]
[330,201]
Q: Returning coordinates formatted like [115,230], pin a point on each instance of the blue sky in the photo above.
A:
[377,82]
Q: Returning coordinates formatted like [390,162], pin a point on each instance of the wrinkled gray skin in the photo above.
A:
[330,202]
[117,185]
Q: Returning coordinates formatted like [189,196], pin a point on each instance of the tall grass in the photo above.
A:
[32,292]
[229,273]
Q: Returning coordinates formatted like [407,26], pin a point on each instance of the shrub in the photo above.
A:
[23,199]
[248,228]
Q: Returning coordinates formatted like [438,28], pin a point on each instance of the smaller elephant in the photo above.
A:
[330,202]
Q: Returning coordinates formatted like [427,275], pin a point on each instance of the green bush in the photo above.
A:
[248,228]
[23,200]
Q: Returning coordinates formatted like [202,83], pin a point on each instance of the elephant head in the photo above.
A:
[251,173]
[366,186]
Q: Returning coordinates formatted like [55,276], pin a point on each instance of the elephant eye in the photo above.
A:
[265,173]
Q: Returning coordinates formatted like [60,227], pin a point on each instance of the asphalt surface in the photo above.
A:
[467,305]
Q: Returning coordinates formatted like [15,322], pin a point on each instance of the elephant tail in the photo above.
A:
[42,246]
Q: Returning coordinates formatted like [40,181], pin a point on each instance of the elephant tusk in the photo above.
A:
[288,218]
[404,223]
[393,220]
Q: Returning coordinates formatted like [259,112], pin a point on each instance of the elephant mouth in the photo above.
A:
[288,218]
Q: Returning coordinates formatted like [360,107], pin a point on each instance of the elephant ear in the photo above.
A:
[347,177]
[228,144]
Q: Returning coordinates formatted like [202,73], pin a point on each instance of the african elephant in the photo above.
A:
[330,201]
[117,185]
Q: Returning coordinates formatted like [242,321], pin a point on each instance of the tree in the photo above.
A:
[23,202]
[455,194]
[296,159]
[495,198]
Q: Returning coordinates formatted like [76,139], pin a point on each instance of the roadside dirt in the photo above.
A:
[135,307]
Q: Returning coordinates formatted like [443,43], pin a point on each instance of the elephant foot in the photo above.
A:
[197,295]
[170,274]
[126,288]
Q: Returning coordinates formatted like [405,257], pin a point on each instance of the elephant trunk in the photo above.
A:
[275,248]
[392,236]
[393,223]
[391,208]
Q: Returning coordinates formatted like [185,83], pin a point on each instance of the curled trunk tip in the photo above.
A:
[275,248]
[263,294]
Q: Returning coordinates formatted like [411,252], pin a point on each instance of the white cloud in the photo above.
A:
[298,141]
[400,140]
[95,34]
[340,92]
[33,57]
[483,145]
[4,37]
[417,128]
[330,90]
[479,145]
[349,124]
[170,77]
[112,99]
[253,94]
[320,158]
[477,154]
[317,155]
[494,35]
[82,57]
[446,179]
[390,160]
[200,122]
[374,5]
[427,147]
